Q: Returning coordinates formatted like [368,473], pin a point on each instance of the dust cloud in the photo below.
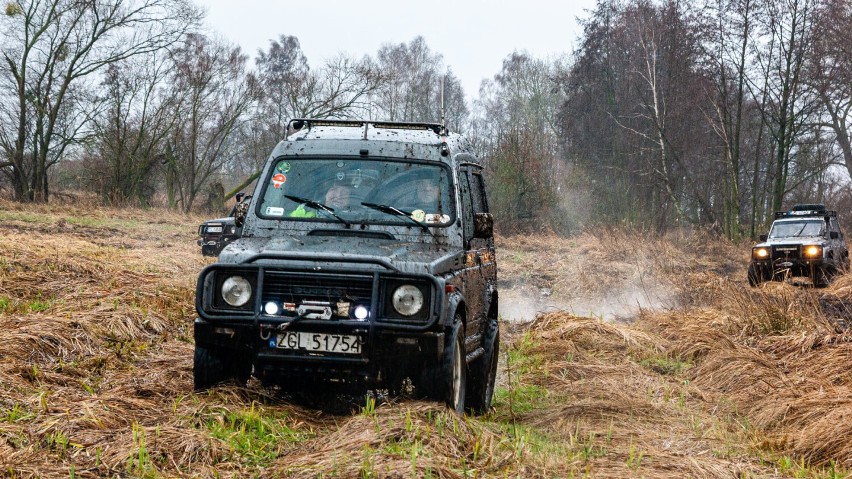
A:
[522,302]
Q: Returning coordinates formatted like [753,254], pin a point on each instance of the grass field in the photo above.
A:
[714,380]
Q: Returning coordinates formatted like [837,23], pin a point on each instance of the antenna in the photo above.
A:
[443,105]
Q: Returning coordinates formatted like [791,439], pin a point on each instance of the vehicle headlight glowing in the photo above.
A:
[270,308]
[361,312]
[761,253]
[813,251]
[236,291]
[407,300]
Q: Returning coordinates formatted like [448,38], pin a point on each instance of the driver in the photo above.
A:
[339,197]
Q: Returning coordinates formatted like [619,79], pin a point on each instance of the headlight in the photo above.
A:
[813,251]
[760,253]
[236,291]
[407,300]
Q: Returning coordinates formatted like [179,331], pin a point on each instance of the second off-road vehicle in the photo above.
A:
[805,245]
[214,235]
[366,261]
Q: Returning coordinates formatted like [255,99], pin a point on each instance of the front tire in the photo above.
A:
[755,275]
[211,367]
[484,373]
[454,371]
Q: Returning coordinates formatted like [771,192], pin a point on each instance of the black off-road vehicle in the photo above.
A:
[214,235]
[366,262]
[805,245]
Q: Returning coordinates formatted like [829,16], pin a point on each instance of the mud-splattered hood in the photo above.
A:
[330,252]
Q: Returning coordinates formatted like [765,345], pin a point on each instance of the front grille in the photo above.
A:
[298,287]
[786,252]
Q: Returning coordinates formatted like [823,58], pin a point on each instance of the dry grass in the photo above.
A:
[96,310]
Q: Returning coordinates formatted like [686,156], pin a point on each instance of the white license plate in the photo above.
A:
[214,229]
[328,343]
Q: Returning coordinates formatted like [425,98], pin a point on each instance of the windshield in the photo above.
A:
[335,190]
[789,229]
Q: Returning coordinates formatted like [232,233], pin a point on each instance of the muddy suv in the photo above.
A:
[214,235]
[804,246]
[366,262]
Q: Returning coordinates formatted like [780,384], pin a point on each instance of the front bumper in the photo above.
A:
[781,268]
[386,355]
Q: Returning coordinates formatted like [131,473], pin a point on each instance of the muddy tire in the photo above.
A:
[454,371]
[755,276]
[211,367]
[483,373]
[822,277]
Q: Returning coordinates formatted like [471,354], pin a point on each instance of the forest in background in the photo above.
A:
[712,113]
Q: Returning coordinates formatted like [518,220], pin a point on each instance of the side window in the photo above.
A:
[835,226]
[477,192]
[467,208]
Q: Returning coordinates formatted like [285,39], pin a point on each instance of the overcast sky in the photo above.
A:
[474,36]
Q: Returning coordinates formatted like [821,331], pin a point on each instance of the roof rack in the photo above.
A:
[297,124]
[802,212]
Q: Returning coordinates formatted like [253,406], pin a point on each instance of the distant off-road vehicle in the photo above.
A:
[366,261]
[804,245]
[214,235]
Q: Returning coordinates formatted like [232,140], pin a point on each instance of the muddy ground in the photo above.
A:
[625,354]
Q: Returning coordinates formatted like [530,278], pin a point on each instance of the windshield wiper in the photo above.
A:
[397,212]
[317,206]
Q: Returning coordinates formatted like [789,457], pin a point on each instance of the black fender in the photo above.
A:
[493,310]
[455,302]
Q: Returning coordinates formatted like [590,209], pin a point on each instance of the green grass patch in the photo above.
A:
[254,436]
[35,305]
[522,398]
[665,365]
[16,413]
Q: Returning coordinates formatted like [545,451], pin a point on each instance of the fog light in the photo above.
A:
[270,308]
[361,312]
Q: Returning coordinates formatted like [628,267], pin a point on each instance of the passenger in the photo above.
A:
[338,197]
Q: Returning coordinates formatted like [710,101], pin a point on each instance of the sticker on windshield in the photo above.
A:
[436,218]
[418,215]
[283,167]
[274,211]
[278,180]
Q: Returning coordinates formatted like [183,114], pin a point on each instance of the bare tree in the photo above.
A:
[515,127]
[50,48]
[412,76]
[130,134]
[829,72]
[213,94]
[789,108]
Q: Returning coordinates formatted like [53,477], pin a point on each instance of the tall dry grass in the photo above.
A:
[96,311]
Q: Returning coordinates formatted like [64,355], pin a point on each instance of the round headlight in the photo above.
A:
[761,253]
[813,251]
[407,300]
[236,291]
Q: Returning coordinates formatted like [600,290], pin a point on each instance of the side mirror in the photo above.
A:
[483,225]
[834,235]
[239,197]
[764,237]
